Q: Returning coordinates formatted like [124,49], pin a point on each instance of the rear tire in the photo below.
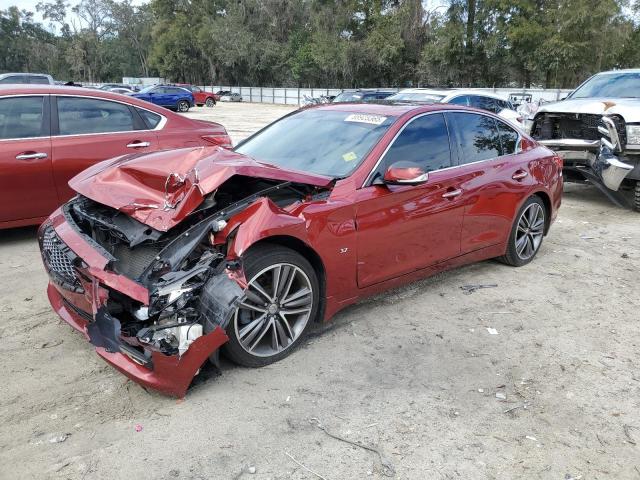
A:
[527,233]
[210,102]
[636,197]
[183,106]
[281,304]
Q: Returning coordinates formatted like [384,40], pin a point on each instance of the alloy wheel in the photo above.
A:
[530,231]
[183,107]
[275,310]
[210,103]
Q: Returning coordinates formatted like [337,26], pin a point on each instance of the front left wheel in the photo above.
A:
[281,302]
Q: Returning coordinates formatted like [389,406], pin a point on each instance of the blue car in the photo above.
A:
[174,98]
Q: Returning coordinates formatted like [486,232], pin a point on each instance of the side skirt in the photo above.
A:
[486,253]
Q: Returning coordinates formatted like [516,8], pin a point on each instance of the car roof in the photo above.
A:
[447,92]
[11,74]
[622,70]
[392,109]
[27,89]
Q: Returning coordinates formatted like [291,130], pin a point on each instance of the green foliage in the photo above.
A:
[341,43]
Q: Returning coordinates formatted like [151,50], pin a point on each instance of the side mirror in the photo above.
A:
[405,173]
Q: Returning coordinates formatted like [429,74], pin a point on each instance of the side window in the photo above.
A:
[196,89]
[151,119]
[39,80]
[77,115]
[22,117]
[13,79]
[424,141]
[477,137]
[483,103]
[510,139]
[461,100]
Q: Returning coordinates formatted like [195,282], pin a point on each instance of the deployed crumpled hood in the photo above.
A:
[160,189]
[629,108]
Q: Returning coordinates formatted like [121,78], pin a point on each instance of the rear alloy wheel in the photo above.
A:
[210,102]
[281,301]
[183,106]
[527,233]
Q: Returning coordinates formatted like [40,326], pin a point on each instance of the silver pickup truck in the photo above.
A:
[596,129]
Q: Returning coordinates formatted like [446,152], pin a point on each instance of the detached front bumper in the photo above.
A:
[78,289]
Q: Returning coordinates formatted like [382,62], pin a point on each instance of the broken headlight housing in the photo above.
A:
[633,134]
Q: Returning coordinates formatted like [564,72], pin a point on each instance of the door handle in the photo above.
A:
[452,193]
[519,175]
[31,156]
[138,145]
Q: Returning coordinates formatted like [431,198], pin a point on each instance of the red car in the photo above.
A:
[48,134]
[200,96]
[163,258]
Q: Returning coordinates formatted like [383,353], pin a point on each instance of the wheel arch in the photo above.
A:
[546,200]
[308,253]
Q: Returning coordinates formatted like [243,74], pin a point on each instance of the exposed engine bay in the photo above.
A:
[185,269]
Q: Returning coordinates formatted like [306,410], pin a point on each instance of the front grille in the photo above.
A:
[557,126]
[581,126]
[58,259]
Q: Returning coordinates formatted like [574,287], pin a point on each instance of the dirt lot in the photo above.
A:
[415,372]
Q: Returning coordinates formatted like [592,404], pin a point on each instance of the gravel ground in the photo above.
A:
[414,374]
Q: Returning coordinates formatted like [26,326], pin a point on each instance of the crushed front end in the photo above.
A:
[154,304]
[134,292]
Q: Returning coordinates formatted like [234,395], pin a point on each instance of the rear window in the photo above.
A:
[78,115]
[477,137]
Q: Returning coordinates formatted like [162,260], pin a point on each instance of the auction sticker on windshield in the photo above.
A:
[366,118]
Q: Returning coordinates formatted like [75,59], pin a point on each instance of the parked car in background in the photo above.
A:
[48,134]
[163,258]
[368,95]
[168,96]
[231,97]
[123,91]
[30,78]
[221,93]
[110,86]
[596,129]
[200,96]
[490,102]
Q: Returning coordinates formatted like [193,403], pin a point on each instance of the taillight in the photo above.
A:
[220,140]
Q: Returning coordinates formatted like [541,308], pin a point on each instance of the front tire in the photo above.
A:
[210,103]
[280,304]
[527,233]
[183,106]
[636,197]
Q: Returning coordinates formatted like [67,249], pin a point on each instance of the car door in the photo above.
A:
[27,190]
[486,147]
[401,229]
[89,130]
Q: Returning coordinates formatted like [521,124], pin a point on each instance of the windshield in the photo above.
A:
[329,143]
[416,97]
[616,85]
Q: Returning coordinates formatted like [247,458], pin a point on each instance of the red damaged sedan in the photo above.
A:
[163,258]
[48,134]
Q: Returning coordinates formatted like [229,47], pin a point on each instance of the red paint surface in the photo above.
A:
[32,189]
